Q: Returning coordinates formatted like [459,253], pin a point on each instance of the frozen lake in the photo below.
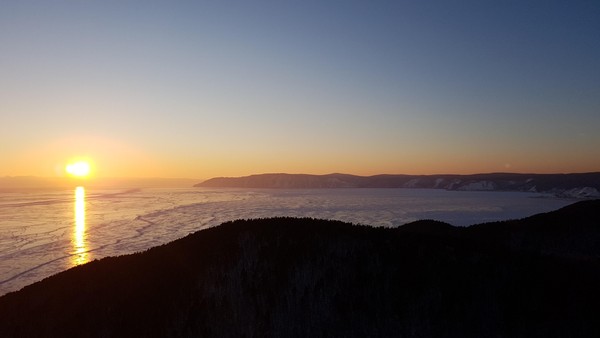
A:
[42,233]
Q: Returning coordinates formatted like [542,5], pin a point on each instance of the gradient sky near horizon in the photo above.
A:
[226,88]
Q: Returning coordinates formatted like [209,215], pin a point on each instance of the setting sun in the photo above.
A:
[79,169]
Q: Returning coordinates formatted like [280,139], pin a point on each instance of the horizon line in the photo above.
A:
[288,173]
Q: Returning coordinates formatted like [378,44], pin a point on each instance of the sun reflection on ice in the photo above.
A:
[80,251]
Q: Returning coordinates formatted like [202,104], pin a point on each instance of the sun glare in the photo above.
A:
[79,169]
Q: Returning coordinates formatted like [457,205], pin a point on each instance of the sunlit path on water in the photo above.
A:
[79,235]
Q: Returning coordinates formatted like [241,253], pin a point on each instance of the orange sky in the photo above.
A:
[113,158]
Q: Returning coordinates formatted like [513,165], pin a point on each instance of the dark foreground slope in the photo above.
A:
[301,277]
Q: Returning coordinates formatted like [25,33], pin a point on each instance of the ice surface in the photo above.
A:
[37,230]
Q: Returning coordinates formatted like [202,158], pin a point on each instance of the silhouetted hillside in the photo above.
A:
[573,231]
[289,277]
[569,185]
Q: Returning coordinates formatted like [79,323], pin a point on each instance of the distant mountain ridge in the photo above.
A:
[292,277]
[580,185]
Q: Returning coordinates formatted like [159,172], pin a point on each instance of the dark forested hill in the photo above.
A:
[284,277]
[570,185]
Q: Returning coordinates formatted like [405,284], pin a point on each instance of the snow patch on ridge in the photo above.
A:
[412,183]
[583,192]
[478,186]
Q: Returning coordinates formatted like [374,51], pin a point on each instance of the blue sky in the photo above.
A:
[200,89]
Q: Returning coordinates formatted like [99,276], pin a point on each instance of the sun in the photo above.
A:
[78,169]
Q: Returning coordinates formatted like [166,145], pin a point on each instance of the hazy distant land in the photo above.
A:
[288,277]
[581,185]
[27,183]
